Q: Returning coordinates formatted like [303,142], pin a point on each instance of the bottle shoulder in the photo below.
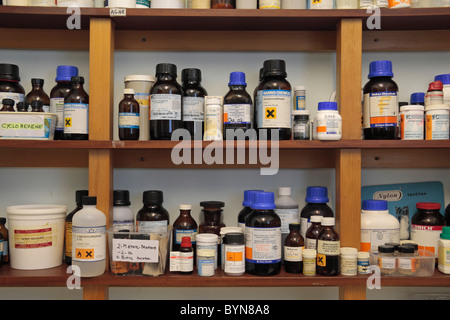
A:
[89,217]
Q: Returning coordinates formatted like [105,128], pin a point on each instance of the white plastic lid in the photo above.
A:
[327,221]
[284,191]
[437,107]
[185,207]
[348,251]
[36,209]
[139,77]
[301,112]
[128,91]
[309,253]
[214,100]
[412,108]
[298,88]
[225,230]
[206,237]
[315,218]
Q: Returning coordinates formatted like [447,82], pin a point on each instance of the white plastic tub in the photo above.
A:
[27,125]
[36,236]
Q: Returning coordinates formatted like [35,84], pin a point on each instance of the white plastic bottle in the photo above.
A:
[287,210]
[89,239]
[123,216]
[327,122]
[378,226]
[444,251]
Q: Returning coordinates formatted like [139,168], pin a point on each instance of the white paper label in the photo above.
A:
[132,250]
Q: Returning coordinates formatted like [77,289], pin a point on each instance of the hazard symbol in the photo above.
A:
[68,123]
[271,113]
[321,260]
[85,254]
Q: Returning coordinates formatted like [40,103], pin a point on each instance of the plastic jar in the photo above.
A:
[437,122]
[328,122]
[206,262]
[300,125]
[246,4]
[387,262]
[234,254]
[444,251]
[309,262]
[445,79]
[167,4]
[426,226]
[363,262]
[397,4]
[324,4]
[206,241]
[269,4]
[223,232]
[378,226]
[349,261]
[347,4]
[141,84]
[412,122]
[10,87]
[199,4]
[293,4]
[78,3]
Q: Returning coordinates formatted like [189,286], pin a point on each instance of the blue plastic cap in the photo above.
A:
[65,73]
[417,97]
[444,78]
[263,201]
[327,105]
[316,195]
[237,79]
[248,197]
[375,205]
[381,68]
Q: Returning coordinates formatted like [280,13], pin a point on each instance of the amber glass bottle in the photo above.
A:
[193,102]
[293,247]
[312,233]
[8,105]
[166,105]
[184,226]
[37,106]
[128,116]
[37,93]
[152,217]
[273,105]
[76,112]
[4,232]
[328,249]
[79,194]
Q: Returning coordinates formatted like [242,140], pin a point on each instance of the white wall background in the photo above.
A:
[413,71]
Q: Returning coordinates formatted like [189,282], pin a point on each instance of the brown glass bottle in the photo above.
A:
[79,194]
[37,93]
[9,83]
[128,116]
[58,93]
[5,234]
[193,102]
[223,4]
[328,249]
[165,103]
[184,226]
[21,107]
[152,217]
[382,127]
[293,245]
[212,217]
[312,233]
[238,107]
[187,252]
[8,105]
[36,106]
[76,112]
[273,105]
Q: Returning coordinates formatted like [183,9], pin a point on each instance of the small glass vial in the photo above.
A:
[363,262]
[186,256]
[387,260]
[407,263]
[301,125]
[309,262]
[8,105]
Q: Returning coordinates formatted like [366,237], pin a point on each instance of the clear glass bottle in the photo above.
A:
[301,126]
[76,112]
[37,93]
[193,102]
[123,216]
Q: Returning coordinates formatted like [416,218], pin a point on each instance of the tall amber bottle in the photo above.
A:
[76,112]
[152,217]
[184,226]
[37,93]
[165,103]
[328,249]
[193,102]
[293,247]
[128,116]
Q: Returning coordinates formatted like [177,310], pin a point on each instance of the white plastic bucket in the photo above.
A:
[36,236]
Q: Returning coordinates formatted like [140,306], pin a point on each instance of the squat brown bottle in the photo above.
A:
[184,226]
[8,105]
[328,249]
[37,106]
[128,117]
[37,94]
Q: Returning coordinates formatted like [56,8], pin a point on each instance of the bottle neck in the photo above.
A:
[36,87]
[185,213]
[166,77]
[237,87]
[129,96]
[212,216]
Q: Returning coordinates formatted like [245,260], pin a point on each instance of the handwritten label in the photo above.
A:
[117,12]
[20,126]
[135,250]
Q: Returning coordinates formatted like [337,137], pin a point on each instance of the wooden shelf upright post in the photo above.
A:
[101,78]
[348,161]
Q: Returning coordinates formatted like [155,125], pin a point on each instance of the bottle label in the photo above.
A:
[76,118]
[372,238]
[411,126]
[68,243]
[143,3]
[31,237]
[263,245]
[193,108]
[310,243]
[234,259]
[293,254]
[380,110]
[329,124]
[186,261]
[17,97]
[213,123]
[152,226]
[437,126]
[327,249]
[237,114]
[287,216]
[427,237]
[88,243]
[128,120]
[269,4]
[444,256]
[321,4]
[141,98]
[57,107]
[274,108]
[179,234]
[127,225]
[165,107]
